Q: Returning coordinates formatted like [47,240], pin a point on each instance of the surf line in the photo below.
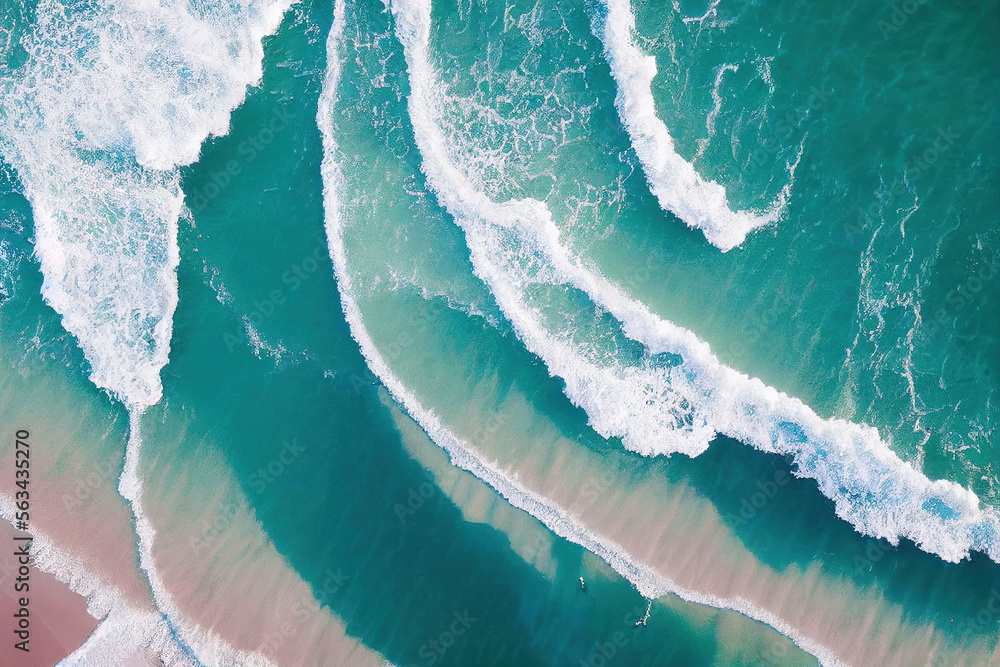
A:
[675,183]
[130,488]
[649,583]
[703,395]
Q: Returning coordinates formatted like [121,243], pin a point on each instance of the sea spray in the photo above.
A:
[649,583]
[112,100]
[657,405]
[678,188]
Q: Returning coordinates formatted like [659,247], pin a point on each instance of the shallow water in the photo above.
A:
[471,306]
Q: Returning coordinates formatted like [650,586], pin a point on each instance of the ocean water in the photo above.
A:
[509,334]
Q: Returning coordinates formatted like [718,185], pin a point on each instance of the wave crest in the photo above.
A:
[672,395]
[675,183]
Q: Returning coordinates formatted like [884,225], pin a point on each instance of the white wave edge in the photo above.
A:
[126,629]
[872,488]
[674,182]
[209,647]
[101,168]
[649,583]
[122,362]
[136,629]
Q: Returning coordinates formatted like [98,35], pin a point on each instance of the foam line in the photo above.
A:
[126,637]
[716,107]
[656,405]
[673,181]
[126,630]
[200,646]
[648,582]
[110,103]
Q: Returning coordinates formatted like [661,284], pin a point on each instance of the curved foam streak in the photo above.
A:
[500,232]
[285,595]
[673,180]
[126,631]
[112,99]
[199,646]
[648,582]
[109,104]
[716,107]
[659,407]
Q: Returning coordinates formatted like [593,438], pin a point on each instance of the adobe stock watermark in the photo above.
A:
[292,280]
[592,490]
[752,504]
[489,427]
[776,652]
[898,17]
[656,261]
[391,353]
[415,499]
[434,649]
[965,294]
[913,169]
[265,475]
[779,131]
[248,150]
[978,623]
[871,552]
[212,529]
[422,320]
[981,622]
[985,617]
[96,476]
[301,612]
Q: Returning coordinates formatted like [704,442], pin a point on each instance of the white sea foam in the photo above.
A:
[515,244]
[673,181]
[277,351]
[127,635]
[660,406]
[716,107]
[648,582]
[109,104]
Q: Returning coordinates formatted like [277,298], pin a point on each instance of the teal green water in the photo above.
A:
[873,300]
[336,507]
[877,301]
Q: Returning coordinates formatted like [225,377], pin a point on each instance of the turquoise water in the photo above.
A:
[890,256]
[560,336]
